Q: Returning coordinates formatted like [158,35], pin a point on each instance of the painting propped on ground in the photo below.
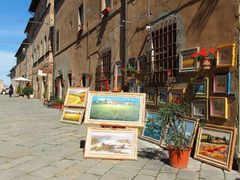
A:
[111,143]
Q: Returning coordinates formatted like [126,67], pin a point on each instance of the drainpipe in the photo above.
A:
[238,122]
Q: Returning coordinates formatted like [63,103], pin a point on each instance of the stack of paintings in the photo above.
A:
[74,105]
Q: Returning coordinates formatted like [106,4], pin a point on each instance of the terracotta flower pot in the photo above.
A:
[206,63]
[178,158]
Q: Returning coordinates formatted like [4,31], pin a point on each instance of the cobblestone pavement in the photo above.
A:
[35,145]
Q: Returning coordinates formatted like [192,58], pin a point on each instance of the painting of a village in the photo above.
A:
[76,97]
[115,108]
[111,143]
[215,145]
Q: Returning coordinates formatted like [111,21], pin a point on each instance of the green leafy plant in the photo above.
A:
[27,90]
[19,90]
[59,101]
[172,115]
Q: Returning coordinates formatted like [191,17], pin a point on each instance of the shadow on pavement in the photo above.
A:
[152,153]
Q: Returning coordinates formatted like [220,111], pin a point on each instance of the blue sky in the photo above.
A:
[14,16]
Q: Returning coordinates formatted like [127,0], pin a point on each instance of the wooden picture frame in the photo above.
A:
[215,145]
[107,143]
[219,107]
[176,96]
[108,108]
[186,62]
[76,97]
[222,83]
[191,128]
[162,95]
[151,96]
[152,128]
[200,109]
[201,88]
[226,56]
[72,115]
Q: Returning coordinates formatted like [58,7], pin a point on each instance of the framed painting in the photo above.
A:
[176,96]
[222,83]
[151,95]
[226,55]
[186,62]
[215,145]
[76,97]
[72,115]
[162,96]
[190,126]
[106,143]
[152,129]
[200,108]
[201,88]
[108,108]
[219,107]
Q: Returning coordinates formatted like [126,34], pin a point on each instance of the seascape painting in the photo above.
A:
[200,88]
[152,129]
[162,96]
[111,143]
[115,108]
[76,97]
[215,145]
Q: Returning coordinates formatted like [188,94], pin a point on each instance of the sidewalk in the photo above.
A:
[34,145]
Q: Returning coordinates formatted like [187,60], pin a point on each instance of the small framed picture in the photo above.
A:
[200,108]
[152,128]
[162,96]
[151,95]
[219,107]
[76,97]
[176,96]
[201,88]
[226,55]
[215,145]
[72,115]
[222,83]
[186,62]
[107,143]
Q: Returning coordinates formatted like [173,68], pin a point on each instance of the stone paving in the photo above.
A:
[34,145]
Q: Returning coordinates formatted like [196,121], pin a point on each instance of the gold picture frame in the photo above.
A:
[108,143]
[215,145]
[72,115]
[109,108]
[76,97]
[226,55]
[219,107]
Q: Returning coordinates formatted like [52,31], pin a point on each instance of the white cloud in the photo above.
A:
[7,61]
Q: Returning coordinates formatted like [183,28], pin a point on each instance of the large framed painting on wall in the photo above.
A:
[226,55]
[215,145]
[190,126]
[219,107]
[106,143]
[123,109]
[186,62]
[201,88]
[152,129]
[72,115]
[200,108]
[222,83]
[76,97]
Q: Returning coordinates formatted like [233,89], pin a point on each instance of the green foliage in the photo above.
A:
[172,115]
[27,90]
[19,90]
[59,101]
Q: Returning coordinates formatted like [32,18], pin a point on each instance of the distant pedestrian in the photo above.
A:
[10,90]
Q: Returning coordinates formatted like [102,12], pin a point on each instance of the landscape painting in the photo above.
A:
[215,145]
[106,143]
[186,62]
[219,107]
[222,83]
[151,95]
[200,108]
[200,88]
[152,129]
[76,97]
[124,109]
[71,115]
[176,96]
[188,124]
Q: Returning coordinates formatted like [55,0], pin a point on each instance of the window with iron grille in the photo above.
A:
[161,53]
[103,71]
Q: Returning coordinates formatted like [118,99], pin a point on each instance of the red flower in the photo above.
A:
[203,54]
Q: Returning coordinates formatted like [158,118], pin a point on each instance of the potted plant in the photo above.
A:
[205,57]
[178,144]
[28,90]
[57,104]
